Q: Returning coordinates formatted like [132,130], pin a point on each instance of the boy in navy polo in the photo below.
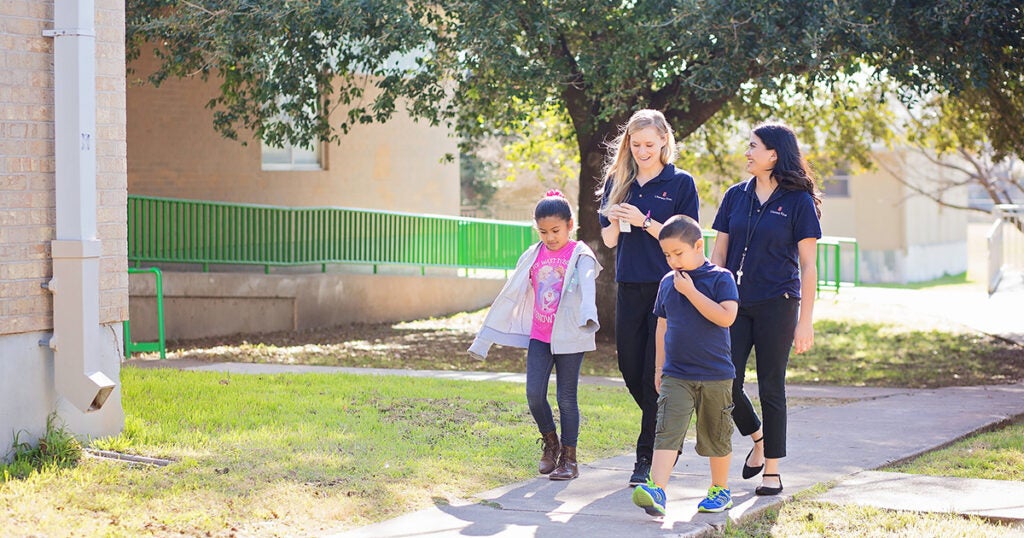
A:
[697,302]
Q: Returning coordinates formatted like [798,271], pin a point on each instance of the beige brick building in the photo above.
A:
[175,152]
[400,165]
[31,372]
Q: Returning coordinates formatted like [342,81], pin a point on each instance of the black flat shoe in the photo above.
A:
[765,490]
[748,471]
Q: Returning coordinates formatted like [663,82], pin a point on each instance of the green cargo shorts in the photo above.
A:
[712,401]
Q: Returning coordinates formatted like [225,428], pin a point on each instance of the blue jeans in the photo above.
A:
[539,362]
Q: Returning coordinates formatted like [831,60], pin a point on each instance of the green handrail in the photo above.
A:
[167,230]
[202,232]
[161,343]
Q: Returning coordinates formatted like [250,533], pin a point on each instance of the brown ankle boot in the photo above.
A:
[550,454]
[567,468]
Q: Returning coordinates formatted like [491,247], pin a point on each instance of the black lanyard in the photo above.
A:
[750,229]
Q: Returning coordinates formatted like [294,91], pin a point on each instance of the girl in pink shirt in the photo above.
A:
[548,306]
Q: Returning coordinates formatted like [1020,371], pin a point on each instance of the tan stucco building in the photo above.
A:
[903,236]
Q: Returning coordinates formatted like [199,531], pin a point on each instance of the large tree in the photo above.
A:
[488,66]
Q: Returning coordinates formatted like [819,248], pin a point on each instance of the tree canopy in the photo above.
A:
[486,67]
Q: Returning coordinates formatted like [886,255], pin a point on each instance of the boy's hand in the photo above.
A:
[657,381]
[683,283]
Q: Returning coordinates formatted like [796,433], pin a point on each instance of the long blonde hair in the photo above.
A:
[620,168]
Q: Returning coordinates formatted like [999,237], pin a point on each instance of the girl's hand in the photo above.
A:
[803,338]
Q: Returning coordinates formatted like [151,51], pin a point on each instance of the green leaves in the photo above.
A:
[300,71]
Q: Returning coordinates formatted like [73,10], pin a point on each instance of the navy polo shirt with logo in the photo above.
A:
[639,258]
[772,267]
[696,348]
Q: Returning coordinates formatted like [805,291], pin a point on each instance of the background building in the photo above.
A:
[401,166]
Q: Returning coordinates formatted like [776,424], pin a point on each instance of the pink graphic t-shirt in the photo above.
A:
[547,276]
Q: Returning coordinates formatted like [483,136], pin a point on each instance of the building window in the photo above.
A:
[292,157]
[838,185]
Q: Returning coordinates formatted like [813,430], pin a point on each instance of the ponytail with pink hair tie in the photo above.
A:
[554,192]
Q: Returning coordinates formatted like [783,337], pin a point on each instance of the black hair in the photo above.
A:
[553,204]
[791,170]
[681,227]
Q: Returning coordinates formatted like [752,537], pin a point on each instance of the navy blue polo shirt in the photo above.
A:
[639,257]
[695,348]
[772,267]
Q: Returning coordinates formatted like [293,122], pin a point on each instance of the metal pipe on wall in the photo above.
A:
[76,250]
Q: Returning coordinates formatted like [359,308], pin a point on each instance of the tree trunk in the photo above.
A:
[591,163]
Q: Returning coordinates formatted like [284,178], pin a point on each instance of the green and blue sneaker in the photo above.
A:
[650,497]
[718,499]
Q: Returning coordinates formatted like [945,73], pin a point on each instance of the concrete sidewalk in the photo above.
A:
[835,434]
[959,307]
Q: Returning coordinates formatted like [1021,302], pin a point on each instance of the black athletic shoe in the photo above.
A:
[641,471]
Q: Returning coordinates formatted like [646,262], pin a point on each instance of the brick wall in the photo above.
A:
[27,200]
[111,160]
[175,152]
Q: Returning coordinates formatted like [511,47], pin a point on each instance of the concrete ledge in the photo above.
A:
[199,305]
[1001,500]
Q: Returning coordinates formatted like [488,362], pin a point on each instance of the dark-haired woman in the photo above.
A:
[768,229]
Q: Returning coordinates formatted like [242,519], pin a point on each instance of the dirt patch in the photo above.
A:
[429,344]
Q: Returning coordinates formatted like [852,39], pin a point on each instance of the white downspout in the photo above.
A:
[76,249]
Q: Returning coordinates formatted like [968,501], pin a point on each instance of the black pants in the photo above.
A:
[768,328]
[635,324]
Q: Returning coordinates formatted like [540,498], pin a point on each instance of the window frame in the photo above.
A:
[291,165]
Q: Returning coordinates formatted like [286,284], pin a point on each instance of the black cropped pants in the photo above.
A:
[766,327]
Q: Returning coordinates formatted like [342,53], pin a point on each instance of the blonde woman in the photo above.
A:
[641,190]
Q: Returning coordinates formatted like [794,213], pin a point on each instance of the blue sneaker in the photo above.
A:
[718,499]
[650,497]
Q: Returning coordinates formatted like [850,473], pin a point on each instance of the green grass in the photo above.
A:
[995,455]
[298,454]
[803,518]
[872,354]
[56,449]
[301,454]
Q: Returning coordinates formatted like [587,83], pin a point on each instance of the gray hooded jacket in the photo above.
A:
[510,318]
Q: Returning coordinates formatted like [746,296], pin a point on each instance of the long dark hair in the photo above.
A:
[791,170]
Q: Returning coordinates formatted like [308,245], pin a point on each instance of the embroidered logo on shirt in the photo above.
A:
[778,212]
[664,196]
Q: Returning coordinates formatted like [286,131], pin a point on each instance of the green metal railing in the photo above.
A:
[165,230]
[160,344]
[830,262]
[200,232]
